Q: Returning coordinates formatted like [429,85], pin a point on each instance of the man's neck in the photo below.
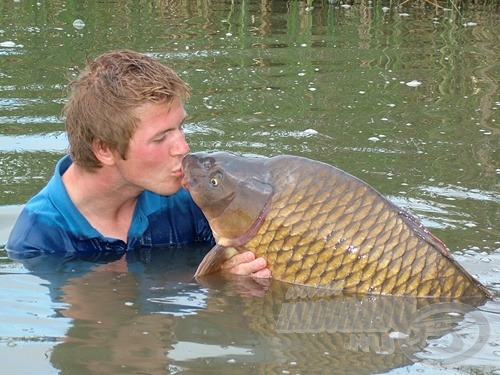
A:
[103,199]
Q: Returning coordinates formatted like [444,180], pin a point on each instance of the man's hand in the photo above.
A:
[246,264]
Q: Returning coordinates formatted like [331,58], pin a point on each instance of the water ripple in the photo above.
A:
[55,141]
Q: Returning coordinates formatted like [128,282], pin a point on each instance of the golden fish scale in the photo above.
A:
[322,229]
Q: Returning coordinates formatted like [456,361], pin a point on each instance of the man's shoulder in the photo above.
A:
[42,221]
[39,205]
[35,228]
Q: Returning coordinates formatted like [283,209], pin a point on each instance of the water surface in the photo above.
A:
[404,98]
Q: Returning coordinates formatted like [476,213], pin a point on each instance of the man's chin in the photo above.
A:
[167,190]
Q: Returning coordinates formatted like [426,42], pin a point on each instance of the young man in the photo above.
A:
[120,186]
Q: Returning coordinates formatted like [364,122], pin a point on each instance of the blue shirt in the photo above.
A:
[51,223]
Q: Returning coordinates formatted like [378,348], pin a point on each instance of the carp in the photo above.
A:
[317,225]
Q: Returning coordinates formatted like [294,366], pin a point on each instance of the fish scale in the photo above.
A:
[319,226]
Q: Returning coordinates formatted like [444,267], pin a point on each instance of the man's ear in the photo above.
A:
[102,152]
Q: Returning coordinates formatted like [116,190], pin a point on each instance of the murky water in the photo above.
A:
[405,98]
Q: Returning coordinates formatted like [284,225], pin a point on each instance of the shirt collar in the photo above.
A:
[76,222]
[59,196]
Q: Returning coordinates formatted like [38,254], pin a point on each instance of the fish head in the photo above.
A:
[232,191]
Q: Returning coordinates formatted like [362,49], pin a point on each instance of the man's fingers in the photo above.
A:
[264,274]
[246,264]
[237,260]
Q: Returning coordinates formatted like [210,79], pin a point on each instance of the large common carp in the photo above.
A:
[319,226]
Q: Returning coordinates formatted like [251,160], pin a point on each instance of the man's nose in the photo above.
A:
[180,146]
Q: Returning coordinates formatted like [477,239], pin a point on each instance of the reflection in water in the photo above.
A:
[118,324]
[146,314]
[109,335]
[308,330]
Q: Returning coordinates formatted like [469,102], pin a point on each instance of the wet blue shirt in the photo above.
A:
[51,223]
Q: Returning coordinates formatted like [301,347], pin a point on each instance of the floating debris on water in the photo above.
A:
[310,132]
[413,83]
[78,24]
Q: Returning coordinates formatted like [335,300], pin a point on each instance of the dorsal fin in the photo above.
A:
[423,232]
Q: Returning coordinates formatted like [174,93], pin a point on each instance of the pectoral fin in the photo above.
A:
[213,260]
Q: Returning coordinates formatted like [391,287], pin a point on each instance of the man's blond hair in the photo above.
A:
[104,99]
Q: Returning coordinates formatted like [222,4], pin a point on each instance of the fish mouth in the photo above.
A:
[188,162]
[185,183]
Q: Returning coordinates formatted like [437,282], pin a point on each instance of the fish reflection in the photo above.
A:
[309,330]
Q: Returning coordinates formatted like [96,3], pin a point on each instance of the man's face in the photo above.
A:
[155,152]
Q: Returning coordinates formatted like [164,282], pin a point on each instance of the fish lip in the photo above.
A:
[186,159]
[184,179]
[185,183]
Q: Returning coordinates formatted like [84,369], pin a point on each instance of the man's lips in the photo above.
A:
[179,173]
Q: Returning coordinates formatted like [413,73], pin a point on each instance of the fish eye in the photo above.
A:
[215,179]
